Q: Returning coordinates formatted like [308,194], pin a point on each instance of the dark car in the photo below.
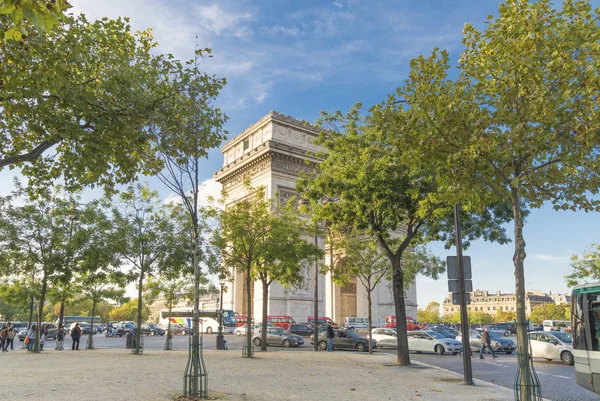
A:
[278,337]
[301,329]
[506,328]
[152,330]
[345,339]
[440,329]
[121,329]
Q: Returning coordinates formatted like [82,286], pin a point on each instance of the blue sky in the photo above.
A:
[301,57]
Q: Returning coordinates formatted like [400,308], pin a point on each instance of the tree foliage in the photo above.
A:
[586,267]
[375,192]
[128,312]
[431,313]
[549,312]
[265,240]
[43,14]
[78,102]
[505,316]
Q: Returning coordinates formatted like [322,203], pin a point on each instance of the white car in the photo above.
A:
[241,330]
[430,341]
[385,337]
[552,345]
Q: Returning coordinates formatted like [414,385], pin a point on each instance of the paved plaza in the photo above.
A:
[285,375]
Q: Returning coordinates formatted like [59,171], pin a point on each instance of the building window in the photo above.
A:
[488,308]
[512,308]
[494,308]
[246,144]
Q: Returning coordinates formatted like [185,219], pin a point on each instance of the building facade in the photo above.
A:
[492,303]
[271,153]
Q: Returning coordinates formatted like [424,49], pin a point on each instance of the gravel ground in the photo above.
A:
[157,376]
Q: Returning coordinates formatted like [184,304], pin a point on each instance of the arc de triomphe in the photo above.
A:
[271,153]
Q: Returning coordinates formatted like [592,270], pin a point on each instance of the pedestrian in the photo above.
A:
[60,338]
[3,336]
[11,337]
[31,338]
[43,334]
[75,336]
[330,337]
[486,342]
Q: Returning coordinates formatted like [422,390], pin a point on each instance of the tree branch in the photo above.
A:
[29,157]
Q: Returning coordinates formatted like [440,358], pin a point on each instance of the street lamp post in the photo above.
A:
[220,339]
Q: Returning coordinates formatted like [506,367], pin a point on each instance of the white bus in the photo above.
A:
[556,325]
[208,319]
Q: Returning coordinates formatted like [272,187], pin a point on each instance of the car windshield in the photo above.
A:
[442,330]
[494,334]
[564,337]
[435,335]
[352,334]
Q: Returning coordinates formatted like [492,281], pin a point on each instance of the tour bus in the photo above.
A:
[411,324]
[585,324]
[240,320]
[556,325]
[208,319]
[354,323]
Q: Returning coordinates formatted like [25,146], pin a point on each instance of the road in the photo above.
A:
[557,380]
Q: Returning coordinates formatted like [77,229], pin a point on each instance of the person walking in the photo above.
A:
[75,336]
[31,338]
[10,338]
[486,342]
[60,338]
[330,337]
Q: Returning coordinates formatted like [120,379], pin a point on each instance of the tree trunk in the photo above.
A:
[168,343]
[90,341]
[61,315]
[36,347]
[402,357]
[249,323]
[32,299]
[265,294]
[138,330]
[519,259]
[370,317]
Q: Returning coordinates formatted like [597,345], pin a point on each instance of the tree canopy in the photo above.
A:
[43,14]
[586,268]
[78,102]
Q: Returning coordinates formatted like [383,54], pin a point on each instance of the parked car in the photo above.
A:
[241,330]
[345,339]
[121,329]
[432,341]
[497,341]
[507,329]
[152,329]
[276,336]
[552,345]
[438,328]
[385,337]
[301,329]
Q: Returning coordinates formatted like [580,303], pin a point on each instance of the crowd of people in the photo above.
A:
[8,333]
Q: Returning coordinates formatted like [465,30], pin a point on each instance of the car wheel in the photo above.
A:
[287,343]
[567,358]
[209,330]
[238,333]
[360,347]
[152,333]
[508,352]
[455,353]
[506,333]
[439,349]
[256,342]
[322,345]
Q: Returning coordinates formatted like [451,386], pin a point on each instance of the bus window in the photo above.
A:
[594,319]
[579,338]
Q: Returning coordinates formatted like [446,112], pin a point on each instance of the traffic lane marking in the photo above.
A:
[497,364]
[550,374]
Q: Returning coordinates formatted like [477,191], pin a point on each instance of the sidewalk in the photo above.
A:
[276,375]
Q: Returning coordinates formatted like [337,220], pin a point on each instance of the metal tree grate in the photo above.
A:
[527,388]
[195,378]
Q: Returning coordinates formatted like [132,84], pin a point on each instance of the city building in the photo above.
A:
[492,303]
[271,153]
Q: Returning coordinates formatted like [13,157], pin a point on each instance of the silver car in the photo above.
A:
[278,337]
[431,341]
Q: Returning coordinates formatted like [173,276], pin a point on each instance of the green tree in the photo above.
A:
[14,300]
[80,89]
[172,287]
[505,316]
[586,267]
[519,124]
[264,240]
[44,15]
[549,312]
[376,193]
[479,317]
[146,234]
[431,314]
[129,312]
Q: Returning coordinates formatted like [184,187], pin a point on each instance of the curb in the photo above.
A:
[460,375]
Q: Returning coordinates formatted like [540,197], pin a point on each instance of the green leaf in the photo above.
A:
[17,15]
[7,8]
[12,34]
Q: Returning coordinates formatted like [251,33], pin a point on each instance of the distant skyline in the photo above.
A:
[299,58]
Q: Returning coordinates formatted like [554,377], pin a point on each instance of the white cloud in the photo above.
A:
[208,189]
[218,19]
[285,31]
[550,258]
